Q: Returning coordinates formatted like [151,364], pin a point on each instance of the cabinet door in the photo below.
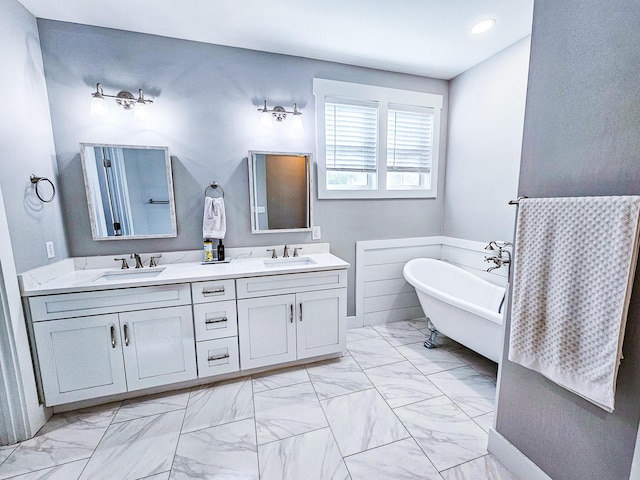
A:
[321,322]
[266,330]
[158,346]
[80,358]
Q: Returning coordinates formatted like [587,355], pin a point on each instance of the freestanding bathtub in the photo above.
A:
[460,305]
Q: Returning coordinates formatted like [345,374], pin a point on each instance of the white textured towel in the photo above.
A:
[574,265]
[214,223]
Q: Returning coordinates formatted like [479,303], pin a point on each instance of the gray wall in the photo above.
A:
[486,111]
[581,137]
[26,141]
[205,112]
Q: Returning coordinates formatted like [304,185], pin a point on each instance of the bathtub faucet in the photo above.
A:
[502,255]
[498,262]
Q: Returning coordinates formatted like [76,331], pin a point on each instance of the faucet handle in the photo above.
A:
[295,251]
[124,262]
[273,252]
[285,253]
[152,261]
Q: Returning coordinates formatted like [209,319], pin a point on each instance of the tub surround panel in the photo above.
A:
[383,295]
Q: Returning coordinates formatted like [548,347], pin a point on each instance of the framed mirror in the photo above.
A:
[129,191]
[280,192]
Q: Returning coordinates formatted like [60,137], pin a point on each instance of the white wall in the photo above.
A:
[26,147]
[486,105]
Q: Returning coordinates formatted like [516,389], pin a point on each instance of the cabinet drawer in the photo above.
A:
[215,320]
[213,291]
[66,305]
[290,283]
[219,356]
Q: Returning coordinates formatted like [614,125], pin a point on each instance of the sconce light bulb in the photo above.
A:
[141,111]
[99,107]
[265,119]
[296,122]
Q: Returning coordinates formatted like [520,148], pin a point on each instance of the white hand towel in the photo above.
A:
[214,223]
[574,260]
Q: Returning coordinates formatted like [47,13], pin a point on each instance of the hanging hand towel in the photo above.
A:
[214,224]
[574,262]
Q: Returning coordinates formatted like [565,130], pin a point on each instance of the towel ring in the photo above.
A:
[213,185]
[36,180]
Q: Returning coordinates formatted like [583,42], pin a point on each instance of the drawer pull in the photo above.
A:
[291,314]
[214,291]
[113,336]
[219,357]
[215,320]
[126,335]
[300,311]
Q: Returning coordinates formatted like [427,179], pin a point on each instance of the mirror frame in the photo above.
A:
[92,215]
[309,159]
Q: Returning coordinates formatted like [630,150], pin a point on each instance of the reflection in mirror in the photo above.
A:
[129,191]
[280,192]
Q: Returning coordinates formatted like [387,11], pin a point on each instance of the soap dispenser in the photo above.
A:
[220,251]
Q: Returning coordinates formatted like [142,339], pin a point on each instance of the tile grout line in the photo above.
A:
[175,450]
[333,435]
[99,441]
[255,427]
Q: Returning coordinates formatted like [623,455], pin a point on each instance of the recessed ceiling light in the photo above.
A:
[483,25]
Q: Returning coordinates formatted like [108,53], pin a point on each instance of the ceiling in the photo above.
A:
[423,37]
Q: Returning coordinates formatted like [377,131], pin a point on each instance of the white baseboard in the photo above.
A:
[513,459]
[354,322]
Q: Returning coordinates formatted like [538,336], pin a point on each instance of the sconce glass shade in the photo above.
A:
[99,107]
[296,122]
[140,111]
[265,119]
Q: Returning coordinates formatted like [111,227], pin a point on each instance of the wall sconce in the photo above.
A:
[279,114]
[125,99]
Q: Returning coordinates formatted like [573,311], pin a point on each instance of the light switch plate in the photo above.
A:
[316,233]
[50,251]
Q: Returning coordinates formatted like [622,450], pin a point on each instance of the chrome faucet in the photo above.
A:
[138,260]
[498,262]
[286,251]
[498,259]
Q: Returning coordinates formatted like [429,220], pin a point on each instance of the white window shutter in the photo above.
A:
[351,132]
[409,139]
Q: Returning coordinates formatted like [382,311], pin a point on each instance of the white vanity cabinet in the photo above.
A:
[216,327]
[283,318]
[88,356]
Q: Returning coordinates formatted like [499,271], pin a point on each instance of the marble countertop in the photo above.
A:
[82,275]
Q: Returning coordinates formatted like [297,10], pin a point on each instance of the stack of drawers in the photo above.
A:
[216,327]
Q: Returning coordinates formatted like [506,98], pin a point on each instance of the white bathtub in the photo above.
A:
[460,305]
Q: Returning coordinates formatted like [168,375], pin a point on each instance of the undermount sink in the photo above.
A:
[289,262]
[119,275]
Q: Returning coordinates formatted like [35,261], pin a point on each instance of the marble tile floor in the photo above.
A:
[387,409]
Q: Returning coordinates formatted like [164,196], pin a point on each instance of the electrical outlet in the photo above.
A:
[316,234]
[50,251]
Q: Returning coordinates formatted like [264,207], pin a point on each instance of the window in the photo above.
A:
[376,142]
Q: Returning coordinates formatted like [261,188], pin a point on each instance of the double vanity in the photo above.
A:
[99,331]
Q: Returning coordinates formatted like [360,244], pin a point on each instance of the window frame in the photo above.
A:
[383,96]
